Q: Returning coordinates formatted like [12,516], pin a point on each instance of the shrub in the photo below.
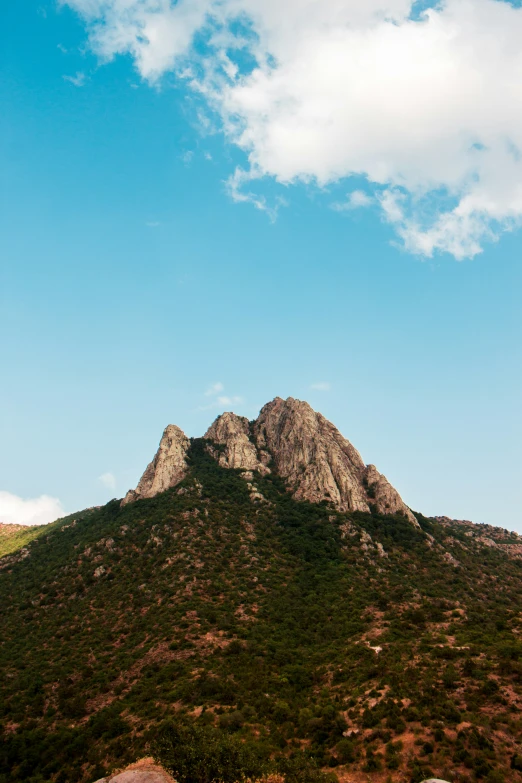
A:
[202,754]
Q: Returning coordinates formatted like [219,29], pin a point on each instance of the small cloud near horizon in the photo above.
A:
[229,400]
[220,400]
[108,480]
[15,510]
[321,386]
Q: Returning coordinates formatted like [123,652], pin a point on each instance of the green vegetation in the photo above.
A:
[237,639]
[14,538]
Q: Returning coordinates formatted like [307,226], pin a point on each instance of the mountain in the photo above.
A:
[254,609]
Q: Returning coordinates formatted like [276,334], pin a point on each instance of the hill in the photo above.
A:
[230,628]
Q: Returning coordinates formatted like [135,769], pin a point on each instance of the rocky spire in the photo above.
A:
[233,433]
[167,469]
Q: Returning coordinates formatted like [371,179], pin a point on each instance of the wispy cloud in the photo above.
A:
[236,185]
[36,511]
[229,400]
[219,400]
[222,402]
[214,389]
[108,480]
[78,80]
[321,386]
[153,223]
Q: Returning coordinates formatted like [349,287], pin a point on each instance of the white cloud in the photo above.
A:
[153,223]
[187,157]
[37,511]
[214,389]
[78,80]
[357,199]
[108,480]
[321,386]
[222,402]
[426,106]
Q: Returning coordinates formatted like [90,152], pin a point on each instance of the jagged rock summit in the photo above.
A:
[167,469]
[290,439]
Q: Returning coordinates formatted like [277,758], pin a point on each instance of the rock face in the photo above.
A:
[232,433]
[293,440]
[144,771]
[386,499]
[319,464]
[311,454]
[167,469]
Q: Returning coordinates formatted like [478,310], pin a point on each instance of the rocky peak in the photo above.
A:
[167,469]
[292,439]
[311,454]
[319,463]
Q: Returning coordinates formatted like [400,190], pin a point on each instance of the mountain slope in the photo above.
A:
[264,627]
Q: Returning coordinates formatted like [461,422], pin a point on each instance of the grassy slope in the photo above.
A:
[13,538]
[257,621]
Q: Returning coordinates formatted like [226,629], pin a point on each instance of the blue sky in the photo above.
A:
[135,276]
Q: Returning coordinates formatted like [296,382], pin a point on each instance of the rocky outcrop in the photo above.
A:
[383,496]
[167,469]
[144,771]
[234,449]
[311,454]
[293,440]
